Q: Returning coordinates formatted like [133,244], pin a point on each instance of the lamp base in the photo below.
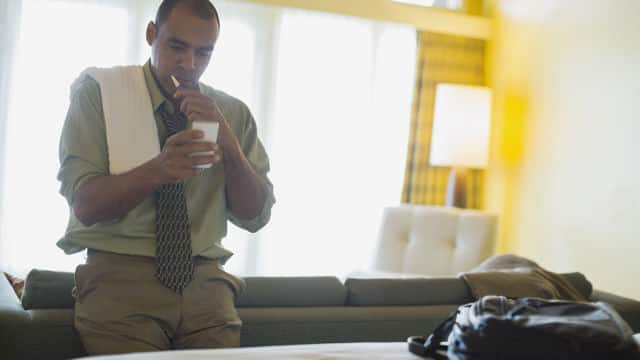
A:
[457,188]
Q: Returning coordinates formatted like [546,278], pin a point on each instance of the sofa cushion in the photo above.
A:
[416,291]
[52,289]
[48,290]
[333,324]
[293,291]
[426,290]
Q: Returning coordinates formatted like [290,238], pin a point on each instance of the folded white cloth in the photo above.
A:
[131,131]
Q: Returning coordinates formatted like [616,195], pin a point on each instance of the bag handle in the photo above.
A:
[432,345]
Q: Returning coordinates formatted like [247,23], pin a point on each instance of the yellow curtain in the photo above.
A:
[441,59]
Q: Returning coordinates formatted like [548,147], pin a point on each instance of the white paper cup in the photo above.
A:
[210,130]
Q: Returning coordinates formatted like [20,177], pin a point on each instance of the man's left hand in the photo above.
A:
[199,107]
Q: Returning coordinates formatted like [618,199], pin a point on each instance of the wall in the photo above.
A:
[564,164]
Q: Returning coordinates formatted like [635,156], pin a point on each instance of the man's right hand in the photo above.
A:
[175,163]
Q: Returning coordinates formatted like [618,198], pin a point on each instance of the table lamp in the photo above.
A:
[460,137]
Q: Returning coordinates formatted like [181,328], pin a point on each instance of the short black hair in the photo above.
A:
[201,8]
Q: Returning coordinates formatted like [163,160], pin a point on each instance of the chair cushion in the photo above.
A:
[434,240]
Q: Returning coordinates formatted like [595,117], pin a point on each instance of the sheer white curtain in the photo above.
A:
[9,25]
[241,66]
[338,138]
[46,43]
[57,39]
[331,96]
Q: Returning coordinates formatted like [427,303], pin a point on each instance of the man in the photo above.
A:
[150,218]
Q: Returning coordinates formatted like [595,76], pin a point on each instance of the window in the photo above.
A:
[341,114]
[49,56]
[331,96]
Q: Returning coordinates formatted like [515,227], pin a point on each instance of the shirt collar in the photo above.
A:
[157,97]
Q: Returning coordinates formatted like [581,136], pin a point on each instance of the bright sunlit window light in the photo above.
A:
[40,114]
[427,3]
[358,102]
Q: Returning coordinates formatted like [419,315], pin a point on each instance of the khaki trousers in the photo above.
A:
[121,306]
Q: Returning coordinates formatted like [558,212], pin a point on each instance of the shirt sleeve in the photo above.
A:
[257,156]
[83,144]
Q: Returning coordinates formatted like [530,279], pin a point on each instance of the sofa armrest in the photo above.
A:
[35,334]
[628,308]
[11,314]
[10,306]
[7,294]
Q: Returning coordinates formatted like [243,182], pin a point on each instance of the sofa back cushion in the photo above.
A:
[48,290]
[293,291]
[426,290]
[414,291]
[52,289]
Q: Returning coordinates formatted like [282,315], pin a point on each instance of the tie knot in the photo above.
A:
[175,122]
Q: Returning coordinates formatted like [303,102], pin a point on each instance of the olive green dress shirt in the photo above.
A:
[83,154]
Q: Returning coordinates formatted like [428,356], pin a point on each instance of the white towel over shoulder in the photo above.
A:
[131,131]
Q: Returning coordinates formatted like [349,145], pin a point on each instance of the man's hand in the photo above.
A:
[199,107]
[245,190]
[176,161]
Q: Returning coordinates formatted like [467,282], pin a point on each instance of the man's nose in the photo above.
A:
[188,60]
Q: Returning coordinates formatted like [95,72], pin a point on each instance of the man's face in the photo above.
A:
[182,47]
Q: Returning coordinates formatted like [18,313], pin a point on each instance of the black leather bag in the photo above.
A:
[496,327]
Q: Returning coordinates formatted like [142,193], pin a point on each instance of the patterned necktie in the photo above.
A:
[174,263]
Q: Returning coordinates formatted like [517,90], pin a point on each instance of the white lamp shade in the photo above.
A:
[461,121]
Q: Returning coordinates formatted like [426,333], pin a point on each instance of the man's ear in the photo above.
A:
[151,32]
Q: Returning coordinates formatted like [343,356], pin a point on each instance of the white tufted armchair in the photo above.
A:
[433,240]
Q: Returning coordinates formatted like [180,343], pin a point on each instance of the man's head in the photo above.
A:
[182,40]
